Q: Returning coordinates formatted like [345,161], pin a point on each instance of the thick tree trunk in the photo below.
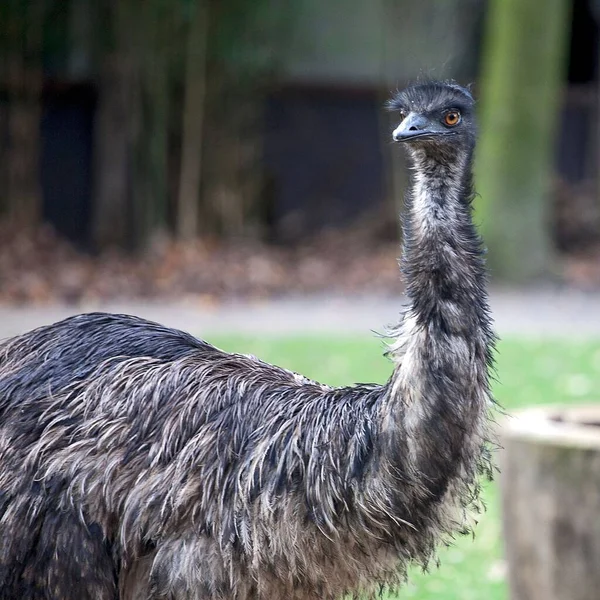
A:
[551,501]
[523,68]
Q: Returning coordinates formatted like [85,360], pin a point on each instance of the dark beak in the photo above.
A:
[412,127]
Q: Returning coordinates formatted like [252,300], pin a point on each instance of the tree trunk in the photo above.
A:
[114,132]
[193,121]
[22,79]
[551,503]
[524,64]
[151,173]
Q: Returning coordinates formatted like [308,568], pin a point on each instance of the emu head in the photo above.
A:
[435,117]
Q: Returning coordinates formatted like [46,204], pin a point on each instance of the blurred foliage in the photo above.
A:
[180,89]
[136,58]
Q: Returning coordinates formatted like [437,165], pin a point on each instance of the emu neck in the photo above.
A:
[443,348]
[442,258]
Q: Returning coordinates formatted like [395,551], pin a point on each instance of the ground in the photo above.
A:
[536,312]
[39,267]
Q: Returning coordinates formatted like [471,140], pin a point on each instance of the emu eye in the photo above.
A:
[452,118]
[401,116]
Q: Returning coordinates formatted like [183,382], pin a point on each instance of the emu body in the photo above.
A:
[139,462]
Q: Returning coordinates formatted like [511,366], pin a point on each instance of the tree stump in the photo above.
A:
[551,503]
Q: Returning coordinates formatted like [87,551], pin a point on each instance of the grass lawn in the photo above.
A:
[529,372]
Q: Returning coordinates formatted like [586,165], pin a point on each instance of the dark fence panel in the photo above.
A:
[323,157]
[66,160]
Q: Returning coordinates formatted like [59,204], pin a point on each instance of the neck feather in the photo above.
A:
[433,411]
[443,255]
[443,348]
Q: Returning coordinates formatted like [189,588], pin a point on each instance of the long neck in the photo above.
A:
[444,345]
[443,255]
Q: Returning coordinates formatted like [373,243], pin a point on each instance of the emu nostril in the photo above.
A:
[413,128]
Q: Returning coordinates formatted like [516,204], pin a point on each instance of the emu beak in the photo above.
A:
[412,126]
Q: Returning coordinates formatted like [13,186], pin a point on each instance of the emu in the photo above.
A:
[138,462]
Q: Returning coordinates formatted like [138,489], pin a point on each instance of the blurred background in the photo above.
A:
[239,148]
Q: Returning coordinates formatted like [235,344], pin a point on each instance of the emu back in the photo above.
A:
[132,453]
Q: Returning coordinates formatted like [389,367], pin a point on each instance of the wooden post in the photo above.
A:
[523,67]
[551,503]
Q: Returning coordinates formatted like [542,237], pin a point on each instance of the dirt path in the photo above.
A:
[528,313]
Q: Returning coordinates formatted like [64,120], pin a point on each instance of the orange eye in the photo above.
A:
[452,118]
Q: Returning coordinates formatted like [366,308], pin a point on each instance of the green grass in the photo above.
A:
[528,372]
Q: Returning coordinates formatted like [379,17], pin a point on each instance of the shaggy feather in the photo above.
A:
[139,462]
